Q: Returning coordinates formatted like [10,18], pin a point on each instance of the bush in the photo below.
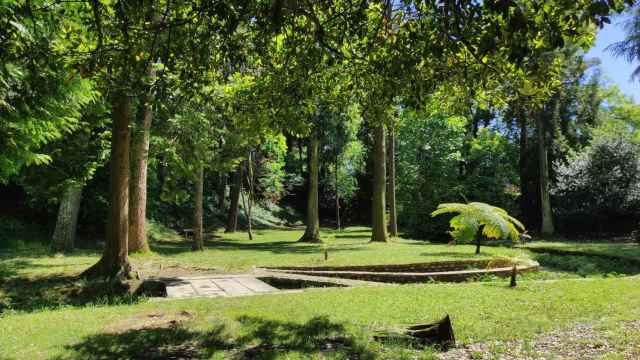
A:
[438,162]
[600,184]
[18,234]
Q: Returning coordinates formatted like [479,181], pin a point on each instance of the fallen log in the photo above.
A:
[439,333]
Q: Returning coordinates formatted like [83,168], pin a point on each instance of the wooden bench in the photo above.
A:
[188,233]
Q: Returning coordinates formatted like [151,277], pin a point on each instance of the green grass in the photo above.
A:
[235,253]
[46,312]
[622,250]
[480,311]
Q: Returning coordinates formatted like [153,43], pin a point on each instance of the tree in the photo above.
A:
[341,155]
[476,219]
[232,214]
[629,48]
[41,97]
[312,230]
[391,182]
[248,202]
[378,207]
[117,43]
[198,232]
[138,241]
[74,162]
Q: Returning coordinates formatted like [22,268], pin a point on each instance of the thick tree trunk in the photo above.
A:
[232,215]
[64,235]
[115,261]
[139,155]
[378,208]
[312,232]
[391,183]
[198,236]
[338,225]
[547,227]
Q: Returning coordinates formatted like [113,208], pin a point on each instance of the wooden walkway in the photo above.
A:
[216,286]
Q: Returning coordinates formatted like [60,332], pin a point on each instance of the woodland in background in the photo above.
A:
[222,114]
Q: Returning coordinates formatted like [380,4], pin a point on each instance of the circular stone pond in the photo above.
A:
[443,271]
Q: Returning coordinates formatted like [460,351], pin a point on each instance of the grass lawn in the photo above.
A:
[219,327]
[47,315]
[234,253]
[622,250]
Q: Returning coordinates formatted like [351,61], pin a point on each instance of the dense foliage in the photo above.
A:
[600,185]
[216,109]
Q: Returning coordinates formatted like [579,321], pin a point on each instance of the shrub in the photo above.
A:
[600,183]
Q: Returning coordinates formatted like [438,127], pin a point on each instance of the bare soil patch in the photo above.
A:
[151,320]
[579,342]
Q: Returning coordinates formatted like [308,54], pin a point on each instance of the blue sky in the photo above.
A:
[616,70]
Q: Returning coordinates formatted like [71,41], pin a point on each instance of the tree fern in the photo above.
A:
[492,221]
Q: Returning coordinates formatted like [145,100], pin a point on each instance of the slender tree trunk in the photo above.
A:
[378,208]
[391,183]
[232,215]
[478,239]
[64,235]
[198,241]
[312,232]
[247,203]
[115,261]
[547,227]
[222,188]
[139,156]
[337,193]
[522,165]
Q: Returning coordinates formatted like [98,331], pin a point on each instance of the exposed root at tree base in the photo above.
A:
[116,271]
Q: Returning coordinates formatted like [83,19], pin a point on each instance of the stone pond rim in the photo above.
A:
[443,271]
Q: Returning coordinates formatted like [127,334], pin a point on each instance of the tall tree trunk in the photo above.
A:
[337,193]
[198,241]
[115,261]
[139,156]
[222,188]
[232,215]
[378,208]
[391,183]
[64,235]
[522,164]
[312,232]
[547,227]
[247,203]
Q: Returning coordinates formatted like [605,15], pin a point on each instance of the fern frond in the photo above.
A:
[496,223]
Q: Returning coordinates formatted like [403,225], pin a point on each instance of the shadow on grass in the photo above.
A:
[275,247]
[55,291]
[259,339]
[585,265]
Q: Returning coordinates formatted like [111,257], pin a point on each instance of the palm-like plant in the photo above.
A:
[475,219]
[629,48]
